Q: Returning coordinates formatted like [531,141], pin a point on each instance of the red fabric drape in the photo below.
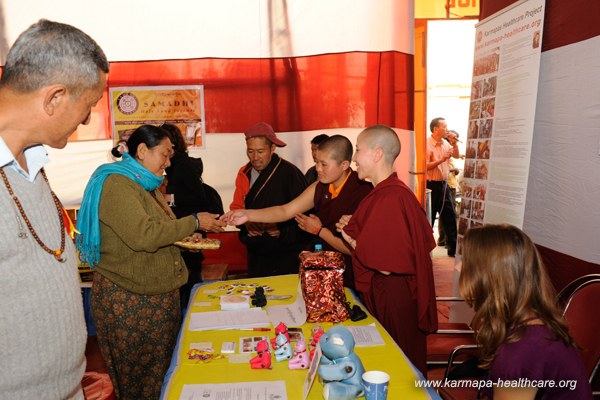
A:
[565,22]
[293,94]
[563,268]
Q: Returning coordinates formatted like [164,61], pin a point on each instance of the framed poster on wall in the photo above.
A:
[183,106]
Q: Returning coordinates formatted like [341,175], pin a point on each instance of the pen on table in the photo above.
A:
[254,329]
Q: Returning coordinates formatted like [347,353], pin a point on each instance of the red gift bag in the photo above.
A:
[321,279]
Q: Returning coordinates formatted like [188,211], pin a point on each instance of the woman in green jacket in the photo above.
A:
[127,235]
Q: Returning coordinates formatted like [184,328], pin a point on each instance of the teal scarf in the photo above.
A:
[88,221]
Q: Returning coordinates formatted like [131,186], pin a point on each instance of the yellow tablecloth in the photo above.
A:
[388,357]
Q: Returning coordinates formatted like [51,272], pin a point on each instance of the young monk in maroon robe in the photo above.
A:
[392,238]
[337,192]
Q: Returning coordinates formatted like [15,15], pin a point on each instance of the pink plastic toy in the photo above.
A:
[263,358]
[317,333]
[300,359]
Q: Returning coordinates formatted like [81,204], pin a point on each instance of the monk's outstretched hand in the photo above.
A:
[234,217]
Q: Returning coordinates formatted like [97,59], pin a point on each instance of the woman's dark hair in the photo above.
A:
[179,144]
[319,139]
[150,135]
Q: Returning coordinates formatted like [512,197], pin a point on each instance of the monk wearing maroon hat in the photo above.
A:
[268,180]
[337,192]
[392,240]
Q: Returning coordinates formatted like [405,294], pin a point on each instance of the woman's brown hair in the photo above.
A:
[504,280]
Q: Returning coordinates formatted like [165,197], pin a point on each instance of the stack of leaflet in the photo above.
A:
[235,302]
[254,317]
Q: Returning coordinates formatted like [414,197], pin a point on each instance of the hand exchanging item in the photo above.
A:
[209,223]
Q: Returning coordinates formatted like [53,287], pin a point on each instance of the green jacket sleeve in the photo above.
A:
[137,218]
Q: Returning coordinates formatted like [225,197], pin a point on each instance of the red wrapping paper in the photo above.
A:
[321,279]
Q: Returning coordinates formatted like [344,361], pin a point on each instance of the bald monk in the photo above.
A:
[337,192]
[392,240]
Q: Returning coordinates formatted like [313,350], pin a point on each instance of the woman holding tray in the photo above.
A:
[127,235]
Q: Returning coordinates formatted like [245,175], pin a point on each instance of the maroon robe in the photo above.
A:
[331,210]
[393,234]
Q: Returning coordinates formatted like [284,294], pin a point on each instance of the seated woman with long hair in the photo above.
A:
[524,340]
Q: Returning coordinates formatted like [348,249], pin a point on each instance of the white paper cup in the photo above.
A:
[376,385]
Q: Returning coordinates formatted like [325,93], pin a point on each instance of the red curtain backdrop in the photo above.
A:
[293,94]
[563,268]
[565,22]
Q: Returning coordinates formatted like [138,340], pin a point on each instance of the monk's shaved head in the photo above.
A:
[338,147]
[384,137]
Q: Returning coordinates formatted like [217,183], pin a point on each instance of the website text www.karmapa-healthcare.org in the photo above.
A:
[488,383]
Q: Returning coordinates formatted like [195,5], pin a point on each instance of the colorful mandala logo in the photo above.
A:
[127,103]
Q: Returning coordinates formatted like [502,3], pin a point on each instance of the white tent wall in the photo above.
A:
[154,30]
[563,193]
[143,30]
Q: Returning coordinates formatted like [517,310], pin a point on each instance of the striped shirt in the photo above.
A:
[435,151]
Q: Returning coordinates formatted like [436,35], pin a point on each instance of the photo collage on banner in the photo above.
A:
[501,116]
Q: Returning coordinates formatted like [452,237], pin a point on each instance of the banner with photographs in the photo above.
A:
[501,116]
[183,106]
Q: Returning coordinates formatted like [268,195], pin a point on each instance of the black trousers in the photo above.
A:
[441,202]
[441,231]
[268,256]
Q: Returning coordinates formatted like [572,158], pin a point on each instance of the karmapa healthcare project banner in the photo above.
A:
[183,106]
[501,118]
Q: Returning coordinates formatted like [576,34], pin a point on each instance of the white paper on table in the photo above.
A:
[235,319]
[290,314]
[366,335]
[239,358]
[265,390]
[312,372]
[203,346]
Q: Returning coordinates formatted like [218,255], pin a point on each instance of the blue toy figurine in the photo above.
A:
[340,368]
[280,328]
[283,351]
